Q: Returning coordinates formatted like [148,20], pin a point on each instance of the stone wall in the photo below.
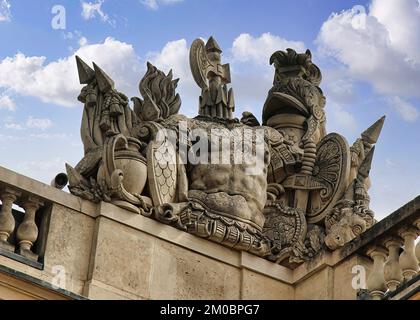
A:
[101,251]
[106,252]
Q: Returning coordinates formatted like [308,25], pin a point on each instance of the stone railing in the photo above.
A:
[22,232]
[395,250]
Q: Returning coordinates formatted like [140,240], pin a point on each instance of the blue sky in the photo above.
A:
[368,51]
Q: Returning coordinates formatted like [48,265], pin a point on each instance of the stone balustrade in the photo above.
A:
[20,229]
[395,254]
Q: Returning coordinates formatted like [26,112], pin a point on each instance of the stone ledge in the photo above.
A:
[43,285]
[31,186]
[196,244]
[21,259]
[219,252]
[103,291]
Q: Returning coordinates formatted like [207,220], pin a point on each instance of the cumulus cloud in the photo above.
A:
[13,126]
[39,123]
[5,12]
[83,41]
[57,82]
[404,108]
[340,118]
[91,10]
[7,103]
[154,4]
[258,50]
[378,45]
[400,19]
[341,96]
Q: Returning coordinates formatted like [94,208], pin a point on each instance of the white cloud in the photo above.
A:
[13,126]
[90,10]
[405,109]
[154,4]
[374,47]
[5,12]
[339,90]
[39,123]
[338,118]
[50,136]
[68,35]
[83,41]
[247,48]
[341,95]
[57,82]
[400,19]
[34,123]
[7,103]
[8,138]
[44,169]
[390,164]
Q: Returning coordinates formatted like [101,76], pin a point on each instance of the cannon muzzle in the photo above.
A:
[60,181]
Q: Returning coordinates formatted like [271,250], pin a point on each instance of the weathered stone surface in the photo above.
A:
[350,276]
[69,245]
[119,248]
[181,274]
[319,286]
[259,287]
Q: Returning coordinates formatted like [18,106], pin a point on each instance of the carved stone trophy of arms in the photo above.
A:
[310,194]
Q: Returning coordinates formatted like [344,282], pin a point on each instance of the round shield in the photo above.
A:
[331,170]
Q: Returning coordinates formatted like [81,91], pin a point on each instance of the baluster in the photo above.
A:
[408,260]
[417,224]
[392,270]
[376,281]
[7,220]
[27,232]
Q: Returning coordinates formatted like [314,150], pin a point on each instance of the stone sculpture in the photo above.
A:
[283,190]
